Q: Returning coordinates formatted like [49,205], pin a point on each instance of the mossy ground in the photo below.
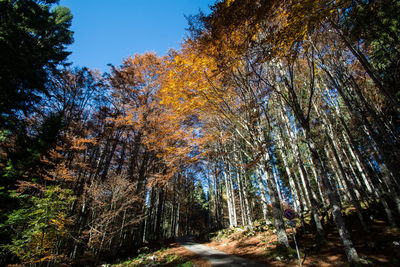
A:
[161,257]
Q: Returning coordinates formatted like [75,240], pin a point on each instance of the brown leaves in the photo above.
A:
[158,100]
[26,186]
[115,205]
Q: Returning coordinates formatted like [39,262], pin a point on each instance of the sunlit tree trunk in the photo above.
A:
[339,85]
[263,195]
[351,253]
[293,189]
[310,200]
[232,190]
[229,195]
[275,203]
[247,208]
[303,119]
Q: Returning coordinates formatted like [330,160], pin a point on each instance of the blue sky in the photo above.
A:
[106,31]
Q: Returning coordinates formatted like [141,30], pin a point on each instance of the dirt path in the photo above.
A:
[218,258]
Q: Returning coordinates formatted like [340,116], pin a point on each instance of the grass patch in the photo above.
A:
[282,253]
[155,258]
[237,233]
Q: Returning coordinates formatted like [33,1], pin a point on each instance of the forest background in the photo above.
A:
[266,104]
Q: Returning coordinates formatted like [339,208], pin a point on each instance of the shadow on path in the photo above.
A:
[215,257]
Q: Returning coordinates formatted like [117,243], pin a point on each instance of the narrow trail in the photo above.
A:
[217,258]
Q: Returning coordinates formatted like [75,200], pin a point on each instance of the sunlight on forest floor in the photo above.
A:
[381,247]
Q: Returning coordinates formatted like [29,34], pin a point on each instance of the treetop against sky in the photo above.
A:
[108,31]
[268,105]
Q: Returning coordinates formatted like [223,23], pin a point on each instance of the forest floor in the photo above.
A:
[380,247]
[217,257]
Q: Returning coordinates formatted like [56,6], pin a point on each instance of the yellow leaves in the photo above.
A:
[229,2]
[186,87]
[60,223]
[157,97]
[42,244]
[167,100]
[170,148]
[60,173]
[297,19]
[124,120]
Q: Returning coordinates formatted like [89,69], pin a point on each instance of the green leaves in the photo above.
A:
[376,26]
[39,223]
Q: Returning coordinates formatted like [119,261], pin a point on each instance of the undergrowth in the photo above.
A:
[156,258]
[282,253]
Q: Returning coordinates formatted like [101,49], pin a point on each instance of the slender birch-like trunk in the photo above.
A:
[263,194]
[351,252]
[276,205]
[247,207]
[228,195]
[304,120]
[241,199]
[292,184]
[312,203]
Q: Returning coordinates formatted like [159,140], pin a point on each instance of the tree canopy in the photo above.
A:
[33,39]
[266,105]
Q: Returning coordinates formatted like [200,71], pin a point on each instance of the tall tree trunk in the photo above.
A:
[263,195]
[232,190]
[160,209]
[390,97]
[303,119]
[228,196]
[358,115]
[247,208]
[351,252]
[313,202]
[310,200]
[292,185]
[350,186]
[276,205]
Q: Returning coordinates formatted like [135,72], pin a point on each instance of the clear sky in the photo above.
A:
[106,31]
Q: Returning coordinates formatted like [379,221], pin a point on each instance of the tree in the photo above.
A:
[40,227]
[268,102]
[33,38]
